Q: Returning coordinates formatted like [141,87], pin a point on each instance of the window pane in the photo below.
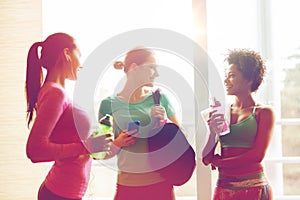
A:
[287,55]
[291,179]
[291,140]
[285,15]
[230,28]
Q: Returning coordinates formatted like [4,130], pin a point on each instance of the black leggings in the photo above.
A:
[46,194]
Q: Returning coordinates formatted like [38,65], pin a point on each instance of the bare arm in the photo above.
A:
[212,141]
[209,149]
[174,119]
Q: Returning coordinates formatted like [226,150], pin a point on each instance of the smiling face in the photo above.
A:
[73,58]
[235,82]
[75,63]
[145,73]
[149,71]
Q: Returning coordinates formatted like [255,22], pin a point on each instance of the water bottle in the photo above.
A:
[222,129]
[105,127]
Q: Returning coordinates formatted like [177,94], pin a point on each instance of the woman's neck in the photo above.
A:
[56,78]
[242,102]
[132,94]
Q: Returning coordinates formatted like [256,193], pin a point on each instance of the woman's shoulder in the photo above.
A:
[52,94]
[52,89]
[264,110]
[110,98]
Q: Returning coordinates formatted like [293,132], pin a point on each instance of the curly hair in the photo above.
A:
[249,63]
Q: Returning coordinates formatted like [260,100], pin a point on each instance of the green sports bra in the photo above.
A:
[241,134]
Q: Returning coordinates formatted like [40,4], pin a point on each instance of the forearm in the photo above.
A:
[174,119]
[241,160]
[209,149]
[46,152]
[40,148]
[115,148]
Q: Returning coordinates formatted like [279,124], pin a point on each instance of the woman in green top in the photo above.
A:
[136,179]
[241,174]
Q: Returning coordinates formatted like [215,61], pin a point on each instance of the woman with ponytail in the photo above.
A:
[54,135]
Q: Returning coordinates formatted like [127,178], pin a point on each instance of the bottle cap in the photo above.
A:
[214,102]
[106,120]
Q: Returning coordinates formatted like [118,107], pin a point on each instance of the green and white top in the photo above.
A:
[134,168]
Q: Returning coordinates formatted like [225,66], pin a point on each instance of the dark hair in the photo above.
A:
[52,47]
[249,63]
[137,56]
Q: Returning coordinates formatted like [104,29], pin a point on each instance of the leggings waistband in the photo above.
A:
[242,182]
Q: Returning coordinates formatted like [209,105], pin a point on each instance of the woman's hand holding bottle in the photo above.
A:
[217,122]
[98,144]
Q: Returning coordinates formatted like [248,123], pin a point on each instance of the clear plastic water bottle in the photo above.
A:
[105,127]
[222,129]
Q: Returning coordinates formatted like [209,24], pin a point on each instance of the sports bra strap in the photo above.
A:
[254,108]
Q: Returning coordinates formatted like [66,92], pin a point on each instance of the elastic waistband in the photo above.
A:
[241,178]
[242,182]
